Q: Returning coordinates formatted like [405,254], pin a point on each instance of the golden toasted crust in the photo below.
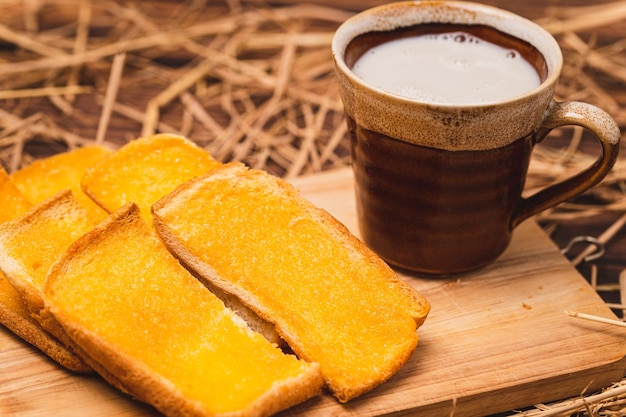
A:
[331,298]
[153,277]
[30,244]
[256,323]
[13,312]
[14,315]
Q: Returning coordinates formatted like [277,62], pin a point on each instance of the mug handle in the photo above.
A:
[606,132]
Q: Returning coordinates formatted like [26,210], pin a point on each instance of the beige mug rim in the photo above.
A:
[500,19]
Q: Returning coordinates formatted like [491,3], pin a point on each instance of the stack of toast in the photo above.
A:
[201,288]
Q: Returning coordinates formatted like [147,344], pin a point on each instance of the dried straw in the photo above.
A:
[610,402]
[111,94]
[255,83]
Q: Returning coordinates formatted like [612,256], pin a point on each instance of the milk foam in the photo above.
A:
[450,68]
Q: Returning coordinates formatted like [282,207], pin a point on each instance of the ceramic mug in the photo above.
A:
[439,186]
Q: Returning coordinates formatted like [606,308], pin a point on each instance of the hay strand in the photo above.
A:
[603,239]
[109,99]
[597,319]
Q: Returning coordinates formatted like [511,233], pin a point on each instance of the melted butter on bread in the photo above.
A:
[124,299]
[15,313]
[332,299]
[47,176]
[144,170]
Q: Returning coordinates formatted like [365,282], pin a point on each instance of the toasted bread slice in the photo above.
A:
[30,244]
[145,170]
[13,311]
[45,177]
[125,300]
[12,202]
[331,298]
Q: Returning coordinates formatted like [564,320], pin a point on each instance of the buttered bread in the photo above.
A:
[333,300]
[12,201]
[30,244]
[46,177]
[14,313]
[144,170]
[125,300]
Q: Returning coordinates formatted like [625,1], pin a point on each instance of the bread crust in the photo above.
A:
[21,315]
[30,331]
[419,307]
[13,312]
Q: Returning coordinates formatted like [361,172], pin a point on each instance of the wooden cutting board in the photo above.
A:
[496,340]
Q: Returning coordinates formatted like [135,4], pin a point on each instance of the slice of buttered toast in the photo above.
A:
[45,177]
[14,314]
[331,298]
[125,300]
[147,169]
[144,170]
[30,244]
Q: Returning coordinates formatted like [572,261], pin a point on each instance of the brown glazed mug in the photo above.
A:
[439,186]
